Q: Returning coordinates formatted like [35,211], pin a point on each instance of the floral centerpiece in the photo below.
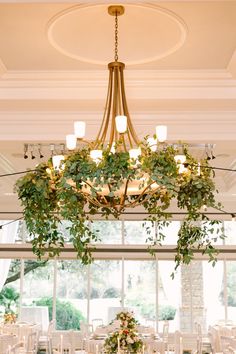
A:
[9,317]
[126,338]
[126,319]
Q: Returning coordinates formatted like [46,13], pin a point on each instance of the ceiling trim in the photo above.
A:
[3,69]
[52,126]
[144,84]
[130,74]
[97,91]
[232,65]
[102,2]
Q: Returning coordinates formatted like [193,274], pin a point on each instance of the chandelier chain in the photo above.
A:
[116,38]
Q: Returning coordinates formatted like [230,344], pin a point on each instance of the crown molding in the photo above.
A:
[143,84]
[53,126]
[232,65]
[130,74]
[103,2]
[3,69]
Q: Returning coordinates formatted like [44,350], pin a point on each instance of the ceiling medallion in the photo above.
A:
[68,32]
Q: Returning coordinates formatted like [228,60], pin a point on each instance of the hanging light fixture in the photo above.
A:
[117,133]
[114,172]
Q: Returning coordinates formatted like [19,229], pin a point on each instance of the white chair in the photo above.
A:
[225,342]
[165,335]
[215,343]
[177,347]
[32,343]
[76,341]
[30,347]
[231,350]
[199,338]
[6,342]
[178,342]
[45,342]
[16,348]
[86,330]
[97,322]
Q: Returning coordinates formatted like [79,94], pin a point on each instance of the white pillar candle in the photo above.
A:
[96,349]
[118,344]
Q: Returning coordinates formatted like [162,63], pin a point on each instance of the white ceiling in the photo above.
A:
[53,71]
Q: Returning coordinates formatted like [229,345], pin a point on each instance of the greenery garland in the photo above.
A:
[49,196]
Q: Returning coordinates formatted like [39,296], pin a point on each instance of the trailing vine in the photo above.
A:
[83,187]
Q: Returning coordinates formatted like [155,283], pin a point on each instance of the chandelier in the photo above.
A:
[117,135]
[114,172]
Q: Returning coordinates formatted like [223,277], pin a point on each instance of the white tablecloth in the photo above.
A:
[36,314]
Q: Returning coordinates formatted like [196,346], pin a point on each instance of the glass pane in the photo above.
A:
[169,295]
[215,235]
[137,232]
[230,232]
[213,292]
[38,292]
[140,290]
[10,293]
[231,290]
[72,294]
[109,232]
[171,233]
[105,293]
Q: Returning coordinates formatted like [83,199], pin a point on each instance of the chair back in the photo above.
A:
[231,350]
[165,331]
[51,327]
[86,329]
[198,328]
[32,342]
[97,322]
[178,342]
[225,343]
[15,348]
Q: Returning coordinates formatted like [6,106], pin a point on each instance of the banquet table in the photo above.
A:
[95,345]
[36,314]
[154,345]
[20,329]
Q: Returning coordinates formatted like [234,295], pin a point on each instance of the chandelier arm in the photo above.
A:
[109,108]
[116,135]
[91,186]
[130,139]
[123,141]
[143,192]
[114,107]
[94,201]
[109,187]
[124,195]
[137,201]
[101,136]
[126,111]
[125,192]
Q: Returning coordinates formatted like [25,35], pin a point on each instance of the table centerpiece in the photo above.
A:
[126,338]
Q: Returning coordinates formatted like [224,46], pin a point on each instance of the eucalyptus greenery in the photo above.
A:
[49,196]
